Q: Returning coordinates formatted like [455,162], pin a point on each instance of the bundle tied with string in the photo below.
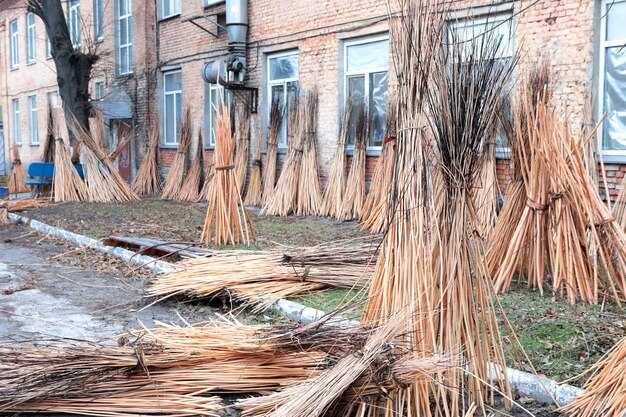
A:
[67,184]
[18,174]
[148,180]
[309,197]
[176,176]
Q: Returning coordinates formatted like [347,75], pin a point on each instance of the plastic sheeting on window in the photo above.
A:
[378,107]
[614,128]
[369,55]
[615,18]
[283,67]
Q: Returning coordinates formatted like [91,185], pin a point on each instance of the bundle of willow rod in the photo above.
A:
[355,186]
[486,192]
[47,154]
[226,208]
[193,181]
[262,278]
[148,180]
[430,257]
[335,188]
[167,370]
[254,196]
[277,113]
[174,181]
[102,179]
[243,148]
[619,207]
[375,213]
[309,197]
[18,174]
[209,175]
[67,186]
[564,229]
[284,199]
[605,391]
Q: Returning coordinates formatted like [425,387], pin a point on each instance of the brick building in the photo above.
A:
[339,47]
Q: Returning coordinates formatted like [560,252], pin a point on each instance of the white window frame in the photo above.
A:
[98,20]
[98,90]
[17,121]
[210,143]
[73,22]
[31,39]
[14,44]
[615,155]
[208,3]
[125,48]
[33,119]
[171,4]
[282,140]
[366,74]
[167,93]
[48,46]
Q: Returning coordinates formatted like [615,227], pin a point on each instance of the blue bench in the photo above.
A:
[42,173]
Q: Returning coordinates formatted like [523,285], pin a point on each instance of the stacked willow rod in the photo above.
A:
[283,200]
[242,149]
[604,392]
[175,178]
[335,188]
[209,175]
[47,154]
[309,196]
[254,196]
[277,112]
[68,186]
[227,220]
[18,174]
[486,193]
[262,278]
[148,180]
[619,207]
[354,197]
[193,181]
[375,213]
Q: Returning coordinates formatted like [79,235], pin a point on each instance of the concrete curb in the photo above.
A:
[522,383]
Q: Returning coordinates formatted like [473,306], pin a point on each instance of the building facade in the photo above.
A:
[339,48]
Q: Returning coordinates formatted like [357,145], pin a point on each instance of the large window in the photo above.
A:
[98,90]
[33,120]
[170,8]
[125,36]
[31,49]
[217,94]
[17,121]
[366,69]
[15,44]
[172,103]
[73,21]
[613,77]
[98,20]
[282,77]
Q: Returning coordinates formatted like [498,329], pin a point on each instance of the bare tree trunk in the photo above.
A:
[73,67]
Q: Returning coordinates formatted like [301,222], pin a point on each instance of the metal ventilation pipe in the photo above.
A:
[232,69]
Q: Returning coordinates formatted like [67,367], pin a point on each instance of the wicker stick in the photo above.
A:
[335,188]
[271,157]
[67,186]
[174,181]
[193,181]
[18,174]
[309,196]
[254,196]
[148,180]
[355,186]
[242,150]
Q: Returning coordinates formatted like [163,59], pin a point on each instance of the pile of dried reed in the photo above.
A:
[11,206]
[148,180]
[284,198]
[242,148]
[604,394]
[175,178]
[375,214]
[192,185]
[335,188]
[226,208]
[209,174]
[277,114]
[265,277]
[355,186]
[254,196]
[47,154]
[309,195]
[486,193]
[67,186]
[561,228]
[18,174]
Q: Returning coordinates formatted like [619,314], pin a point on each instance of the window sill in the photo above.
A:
[503,153]
[209,147]
[124,74]
[100,40]
[28,63]
[33,145]
[368,151]
[170,17]
[613,158]
[217,3]
[168,146]
[15,68]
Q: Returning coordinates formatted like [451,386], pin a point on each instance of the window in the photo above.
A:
[612,88]
[98,20]
[17,122]
[217,93]
[73,21]
[53,101]
[125,36]
[31,51]
[366,84]
[212,2]
[172,103]
[169,8]
[48,47]
[15,44]
[33,121]
[98,90]
[282,78]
